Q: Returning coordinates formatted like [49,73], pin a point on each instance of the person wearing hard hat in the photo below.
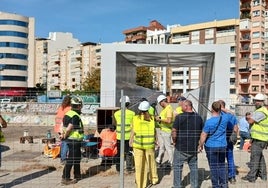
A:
[259,131]
[73,135]
[129,114]
[165,120]
[142,139]
[151,109]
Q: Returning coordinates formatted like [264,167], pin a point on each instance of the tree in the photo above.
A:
[92,81]
[144,77]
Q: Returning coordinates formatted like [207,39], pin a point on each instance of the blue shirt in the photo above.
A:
[216,138]
[243,125]
[232,121]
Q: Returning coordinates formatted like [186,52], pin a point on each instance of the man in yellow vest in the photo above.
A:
[129,114]
[74,134]
[259,135]
[165,120]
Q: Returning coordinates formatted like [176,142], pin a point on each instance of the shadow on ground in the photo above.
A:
[28,177]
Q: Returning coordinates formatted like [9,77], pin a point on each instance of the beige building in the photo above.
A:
[16,52]
[215,32]
[253,48]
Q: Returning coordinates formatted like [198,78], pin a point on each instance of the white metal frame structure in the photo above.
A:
[119,62]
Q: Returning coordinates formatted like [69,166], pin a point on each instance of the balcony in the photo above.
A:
[245,50]
[244,71]
[136,37]
[244,81]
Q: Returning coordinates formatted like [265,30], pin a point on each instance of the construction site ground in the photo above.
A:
[24,166]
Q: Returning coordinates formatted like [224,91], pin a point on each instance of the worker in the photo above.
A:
[129,114]
[259,140]
[108,142]
[73,135]
[142,139]
[152,107]
[165,120]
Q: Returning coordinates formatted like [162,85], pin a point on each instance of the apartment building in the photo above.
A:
[215,32]
[50,63]
[161,36]
[138,35]
[16,53]
[178,80]
[253,48]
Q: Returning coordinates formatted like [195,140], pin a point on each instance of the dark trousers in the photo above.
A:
[216,161]
[127,154]
[257,160]
[73,159]
[230,160]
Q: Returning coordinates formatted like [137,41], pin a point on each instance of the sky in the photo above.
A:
[103,21]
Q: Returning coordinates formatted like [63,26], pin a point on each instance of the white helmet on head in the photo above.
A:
[160,98]
[76,100]
[259,97]
[144,106]
[126,99]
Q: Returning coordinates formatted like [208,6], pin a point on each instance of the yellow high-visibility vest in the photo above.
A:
[144,133]
[259,130]
[129,114]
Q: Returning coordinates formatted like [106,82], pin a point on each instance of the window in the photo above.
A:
[195,42]
[232,49]
[209,41]
[255,24]
[256,56]
[256,13]
[13,34]
[13,22]
[195,33]
[255,45]
[256,34]
[209,31]
[255,77]
[255,88]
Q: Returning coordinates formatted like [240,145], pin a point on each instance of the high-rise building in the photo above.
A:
[50,59]
[16,53]
[253,48]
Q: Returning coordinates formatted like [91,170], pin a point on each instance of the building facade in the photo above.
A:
[16,53]
[215,32]
[253,48]
[178,80]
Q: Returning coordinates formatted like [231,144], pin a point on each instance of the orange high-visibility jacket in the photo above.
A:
[108,143]
[59,117]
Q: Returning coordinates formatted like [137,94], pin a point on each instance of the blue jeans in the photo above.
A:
[178,160]
[257,160]
[216,161]
[243,137]
[64,150]
[230,160]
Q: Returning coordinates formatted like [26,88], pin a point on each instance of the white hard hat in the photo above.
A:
[76,100]
[259,97]
[126,99]
[160,98]
[144,106]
